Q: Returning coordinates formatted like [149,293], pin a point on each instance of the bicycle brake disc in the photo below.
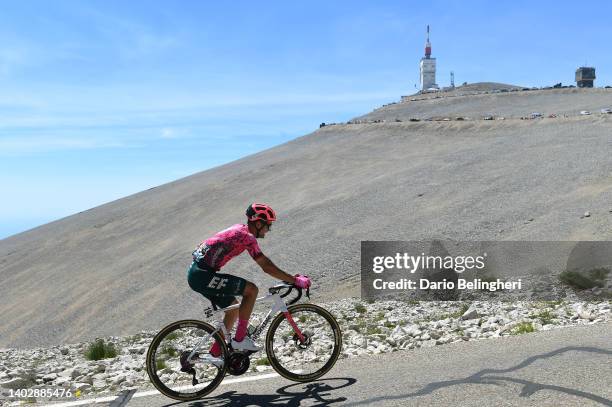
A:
[307,340]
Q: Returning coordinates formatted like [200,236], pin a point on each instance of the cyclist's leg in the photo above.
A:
[228,320]
[221,290]
[249,295]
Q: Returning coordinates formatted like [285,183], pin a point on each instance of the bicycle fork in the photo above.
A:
[280,306]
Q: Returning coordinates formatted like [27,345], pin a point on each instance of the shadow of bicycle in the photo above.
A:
[496,377]
[315,394]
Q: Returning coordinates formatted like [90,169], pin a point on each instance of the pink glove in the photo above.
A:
[302,281]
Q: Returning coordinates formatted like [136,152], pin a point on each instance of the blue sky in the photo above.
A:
[102,99]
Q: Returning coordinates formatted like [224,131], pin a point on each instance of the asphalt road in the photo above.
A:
[564,367]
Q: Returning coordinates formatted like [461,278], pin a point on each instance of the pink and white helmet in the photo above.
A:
[261,211]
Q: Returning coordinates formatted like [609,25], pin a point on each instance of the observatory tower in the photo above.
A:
[428,68]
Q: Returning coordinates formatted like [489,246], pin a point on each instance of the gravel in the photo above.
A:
[368,328]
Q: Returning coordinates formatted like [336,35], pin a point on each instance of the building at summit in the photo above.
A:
[428,68]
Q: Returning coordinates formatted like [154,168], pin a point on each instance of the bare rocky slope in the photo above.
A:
[477,102]
[120,268]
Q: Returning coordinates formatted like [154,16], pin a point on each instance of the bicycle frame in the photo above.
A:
[277,306]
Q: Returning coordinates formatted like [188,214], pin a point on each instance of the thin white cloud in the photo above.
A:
[21,145]
[171,133]
[168,133]
[130,38]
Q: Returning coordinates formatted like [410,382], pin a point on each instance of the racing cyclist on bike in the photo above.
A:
[213,253]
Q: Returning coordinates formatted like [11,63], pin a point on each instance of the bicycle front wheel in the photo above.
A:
[171,369]
[307,361]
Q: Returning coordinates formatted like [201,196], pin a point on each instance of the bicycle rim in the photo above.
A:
[168,373]
[304,362]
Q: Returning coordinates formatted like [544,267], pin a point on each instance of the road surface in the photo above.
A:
[563,367]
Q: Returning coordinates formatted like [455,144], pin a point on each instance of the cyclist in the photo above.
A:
[213,253]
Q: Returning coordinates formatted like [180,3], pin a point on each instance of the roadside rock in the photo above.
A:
[16,383]
[471,313]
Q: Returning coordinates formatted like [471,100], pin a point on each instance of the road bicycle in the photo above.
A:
[302,344]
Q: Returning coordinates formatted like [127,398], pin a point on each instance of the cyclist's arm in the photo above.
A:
[270,268]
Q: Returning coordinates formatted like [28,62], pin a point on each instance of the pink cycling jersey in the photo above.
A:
[214,252]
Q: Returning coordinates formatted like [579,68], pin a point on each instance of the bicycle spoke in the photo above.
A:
[171,371]
[312,356]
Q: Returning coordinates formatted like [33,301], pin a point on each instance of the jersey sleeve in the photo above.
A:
[253,248]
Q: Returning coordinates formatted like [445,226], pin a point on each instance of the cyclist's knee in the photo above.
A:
[250,290]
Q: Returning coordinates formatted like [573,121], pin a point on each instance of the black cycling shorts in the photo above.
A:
[219,288]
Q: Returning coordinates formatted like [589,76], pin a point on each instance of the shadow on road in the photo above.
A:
[495,377]
[318,393]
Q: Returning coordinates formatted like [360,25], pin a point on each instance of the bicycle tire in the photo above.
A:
[276,363]
[152,361]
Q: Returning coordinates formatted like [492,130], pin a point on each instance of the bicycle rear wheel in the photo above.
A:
[304,362]
[170,370]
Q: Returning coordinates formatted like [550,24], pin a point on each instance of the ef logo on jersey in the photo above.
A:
[217,283]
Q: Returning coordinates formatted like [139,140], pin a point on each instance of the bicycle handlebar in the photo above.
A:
[289,287]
